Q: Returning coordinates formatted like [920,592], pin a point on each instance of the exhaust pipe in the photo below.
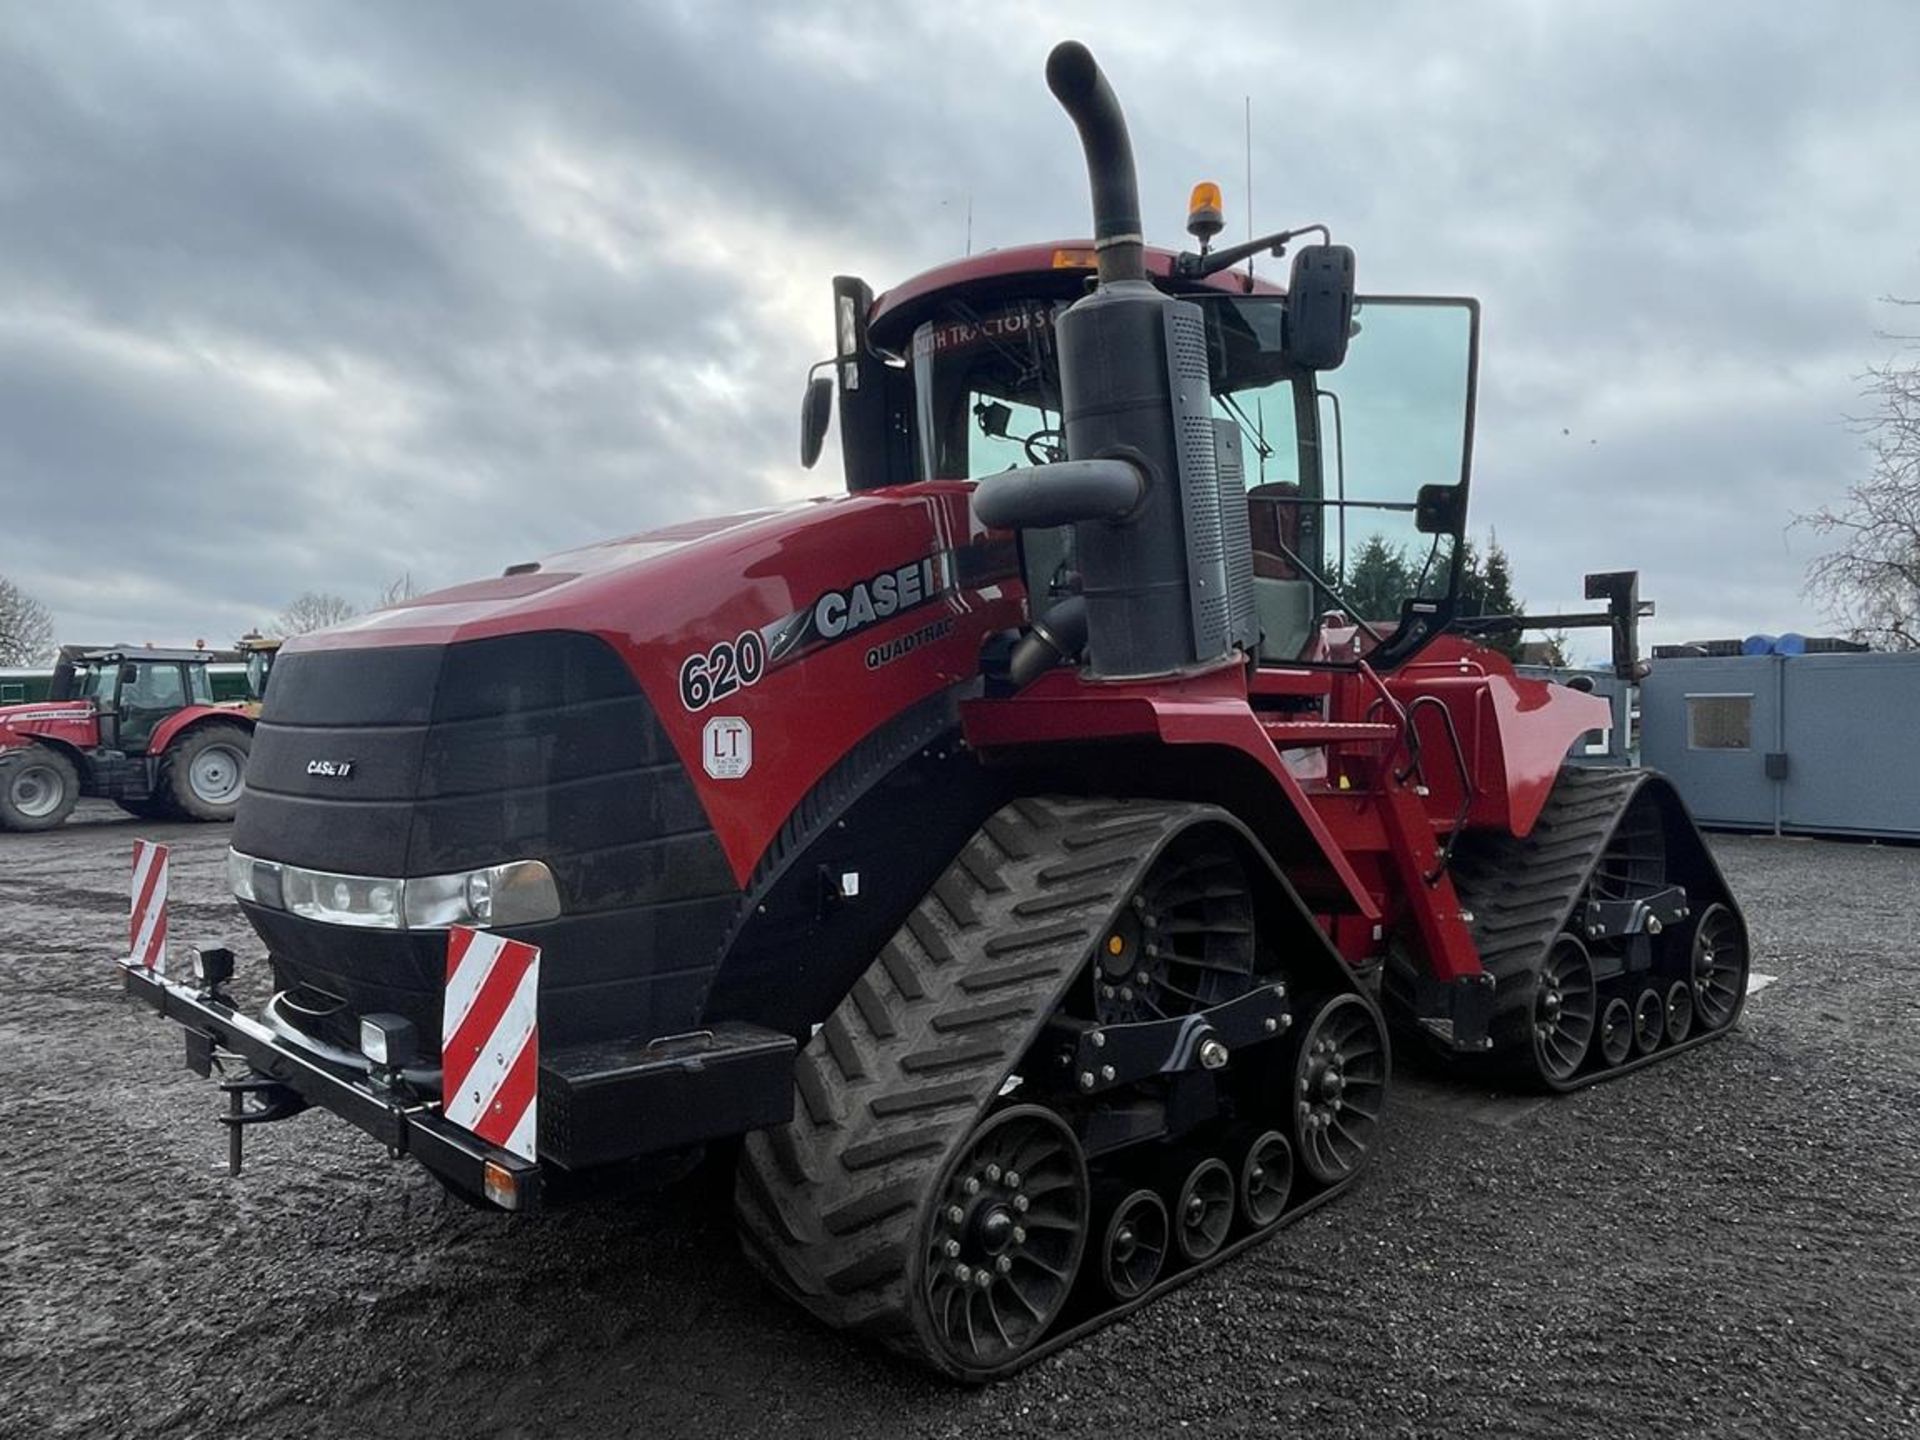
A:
[1089,101]
[1141,488]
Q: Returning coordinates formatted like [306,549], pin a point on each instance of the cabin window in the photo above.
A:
[1719,722]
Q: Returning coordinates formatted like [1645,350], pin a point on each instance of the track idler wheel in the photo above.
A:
[1565,1006]
[1719,961]
[1005,1234]
[1133,1241]
[1679,1011]
[1203,1210]
[1649,1021]
[1616,1031]
[1266,1178]
[1339,1086]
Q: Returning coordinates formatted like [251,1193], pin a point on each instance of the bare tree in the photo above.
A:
[313,610]
[26,627]
[1870,582]
[396,591]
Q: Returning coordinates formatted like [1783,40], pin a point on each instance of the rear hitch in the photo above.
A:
[277,1102]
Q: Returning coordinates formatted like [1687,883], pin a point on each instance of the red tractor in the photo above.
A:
[138,727]
[1031,852]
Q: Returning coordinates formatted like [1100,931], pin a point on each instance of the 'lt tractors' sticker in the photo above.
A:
[726,747]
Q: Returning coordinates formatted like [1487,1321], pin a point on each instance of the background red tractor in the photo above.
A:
[138,727]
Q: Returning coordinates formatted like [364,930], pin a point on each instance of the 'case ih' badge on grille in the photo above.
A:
[147,922]
[490,1038]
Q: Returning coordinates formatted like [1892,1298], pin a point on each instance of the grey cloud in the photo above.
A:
[285,300]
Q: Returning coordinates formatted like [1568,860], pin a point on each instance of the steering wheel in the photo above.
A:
[1045,447]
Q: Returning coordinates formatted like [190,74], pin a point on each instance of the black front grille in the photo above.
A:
[526,747]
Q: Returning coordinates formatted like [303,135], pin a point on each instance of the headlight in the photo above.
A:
[362,900]
[520,892]
[255,880]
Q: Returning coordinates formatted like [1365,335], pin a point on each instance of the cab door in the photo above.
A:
[150,691]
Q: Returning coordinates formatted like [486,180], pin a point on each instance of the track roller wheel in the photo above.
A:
[1719,967]
[1649,1021]
[1616,1031]
[1203,1210]
[1339,1085]
[1266,1177]
[1133,1241]
[1679,1011]
[1185,940]
[1005,1231]
[1565,1003]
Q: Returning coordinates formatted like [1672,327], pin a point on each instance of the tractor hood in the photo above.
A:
[782,637]
[69,720]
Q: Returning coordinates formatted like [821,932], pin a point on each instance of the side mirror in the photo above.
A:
[994,418]
[1320,306]
[814,411]
[1438,510]
[129,674]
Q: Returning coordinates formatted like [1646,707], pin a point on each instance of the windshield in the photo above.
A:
[1333,462]
[987,390]
[95,682]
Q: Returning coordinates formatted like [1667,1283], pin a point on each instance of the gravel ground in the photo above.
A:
[1728,1245]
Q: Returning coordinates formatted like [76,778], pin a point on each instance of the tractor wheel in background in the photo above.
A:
[202,774]
[1565,1005]
[38,791]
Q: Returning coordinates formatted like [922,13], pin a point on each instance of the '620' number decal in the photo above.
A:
[709,675]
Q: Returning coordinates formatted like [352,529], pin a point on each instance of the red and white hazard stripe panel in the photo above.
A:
[147,925]
[490,1038]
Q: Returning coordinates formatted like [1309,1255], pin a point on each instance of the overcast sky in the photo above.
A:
[303,296]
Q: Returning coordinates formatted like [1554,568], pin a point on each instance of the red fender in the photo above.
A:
[177,724]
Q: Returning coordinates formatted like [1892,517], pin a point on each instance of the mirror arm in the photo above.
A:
[1198,267]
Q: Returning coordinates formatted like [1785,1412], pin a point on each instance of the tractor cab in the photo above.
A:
[1351,458]
[131,692]
[258,651]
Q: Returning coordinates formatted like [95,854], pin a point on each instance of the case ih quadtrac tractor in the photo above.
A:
[1030,852]
[135,726]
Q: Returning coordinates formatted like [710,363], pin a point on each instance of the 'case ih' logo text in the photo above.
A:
[330,769]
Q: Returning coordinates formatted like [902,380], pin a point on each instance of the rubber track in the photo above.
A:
[899,1075]
[1522,893]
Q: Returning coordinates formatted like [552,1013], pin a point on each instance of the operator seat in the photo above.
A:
[1283,597]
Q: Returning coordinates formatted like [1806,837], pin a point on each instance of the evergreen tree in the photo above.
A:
[1378,580]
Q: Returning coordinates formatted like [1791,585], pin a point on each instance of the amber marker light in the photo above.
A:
[1206,213]
[501,1185]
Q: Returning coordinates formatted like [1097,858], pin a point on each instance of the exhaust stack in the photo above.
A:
[1083,92]
[1135,389]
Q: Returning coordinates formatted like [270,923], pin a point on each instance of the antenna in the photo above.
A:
[1249,144]
[969,222]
